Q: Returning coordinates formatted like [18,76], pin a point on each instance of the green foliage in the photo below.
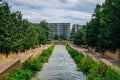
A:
[103,30]
[112,74]
[93,70]
[60,42]
[75,55]
[92,28]
[97,71]
[17,34]
[18,74]
[36,64]
[32,65]
[78,38]
[44,25]
[86,64]
[72,36]
[47,52]
[100,71]
[110,23]
[56,37]
[42,38]
[63,37]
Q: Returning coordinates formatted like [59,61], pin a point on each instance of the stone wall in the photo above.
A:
[15,60]
[9,67]
[10,56]
[91,49]
[114,55]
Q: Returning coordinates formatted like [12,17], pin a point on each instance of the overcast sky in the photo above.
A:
[73,11]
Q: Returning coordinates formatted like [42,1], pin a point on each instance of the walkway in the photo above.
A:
[104,59]
[6,65]
[60,67]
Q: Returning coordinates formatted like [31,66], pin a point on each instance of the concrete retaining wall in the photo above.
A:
[9,67]
[17,60]
[114,55]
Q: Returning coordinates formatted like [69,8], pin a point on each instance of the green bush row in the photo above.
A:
[100,71]
[30,66]
[36,64]
[18,74]
[94,70]
[75,55]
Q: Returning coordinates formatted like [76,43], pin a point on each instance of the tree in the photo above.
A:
[56,37]
[44,25]
[92,28]
[78,38]
[110,21]
[17,34]
[63,37]
[103,30]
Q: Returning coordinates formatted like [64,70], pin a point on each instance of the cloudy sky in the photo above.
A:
[73,11]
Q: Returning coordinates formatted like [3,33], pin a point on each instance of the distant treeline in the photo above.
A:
[18,34]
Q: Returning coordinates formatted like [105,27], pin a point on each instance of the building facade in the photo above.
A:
[75,28]
[59,29]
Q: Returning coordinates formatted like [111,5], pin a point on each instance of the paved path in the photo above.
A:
[104,59]
[60,67]
[6,63]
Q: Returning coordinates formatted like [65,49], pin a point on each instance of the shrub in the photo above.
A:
[112,74]
[42,59]
[93,70]
[32,65]
[18,74]
[78,59]
[36,64]
[75,55]
[97,71]
[86,64]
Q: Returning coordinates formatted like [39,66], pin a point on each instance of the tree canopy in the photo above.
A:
[18,34]
[103,30]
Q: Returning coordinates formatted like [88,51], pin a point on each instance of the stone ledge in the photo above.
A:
[109,63]
[15,63]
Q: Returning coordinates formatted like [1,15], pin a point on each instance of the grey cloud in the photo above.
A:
[74,11]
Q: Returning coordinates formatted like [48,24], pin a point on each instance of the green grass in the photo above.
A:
[60,43]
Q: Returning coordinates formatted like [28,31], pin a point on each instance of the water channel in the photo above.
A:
[60,67]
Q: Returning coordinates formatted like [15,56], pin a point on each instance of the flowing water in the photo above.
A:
[60,67]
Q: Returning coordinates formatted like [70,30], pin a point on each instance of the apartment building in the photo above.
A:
[59,29]
[76,27]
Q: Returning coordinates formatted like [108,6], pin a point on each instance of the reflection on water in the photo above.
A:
[60,67]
